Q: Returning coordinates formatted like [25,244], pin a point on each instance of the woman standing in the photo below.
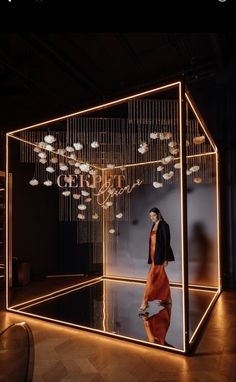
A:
[160,253]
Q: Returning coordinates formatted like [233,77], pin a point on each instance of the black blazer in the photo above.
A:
[163,250]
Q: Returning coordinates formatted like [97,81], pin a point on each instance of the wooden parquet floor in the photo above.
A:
[70,355]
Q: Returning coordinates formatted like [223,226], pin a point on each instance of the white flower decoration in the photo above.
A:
[119,216]
[49,139]
[154,135]
[47,183]
[49,148]
[157,184]
[85,193]
[84,167]
[94,145]
[112,230]
[43,160]
[82,207]
[50,169]
[34,182]
[66,193]
[42,155]
[76,196]
[81,216]
[63,167]
[168,175]
[143,148]
[95,216]
[42,145]
[78,146]
[160,168]
[194,168]
[37,149]
[177,165]
[70,149]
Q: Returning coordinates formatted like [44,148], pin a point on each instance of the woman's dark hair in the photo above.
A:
[156,211]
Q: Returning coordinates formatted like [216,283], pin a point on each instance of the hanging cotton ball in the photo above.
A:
[50,169]
[198,140]
[81,216]
[157,184]
[84,167]
[92,172]
[108,204]
[42,155]
[78,146]
[66,193]
[82,207]
[119,216]
[177,165]
[71,162]
[61,151]
[70,149]
[168,175]
[154,135]
[160,168]
[42,145]
[63,167]
[47,183]
[49,148]
[188,172]
[73,156]
[76,196]
[49,139]
[34,182]
[194,168]
[95,216]
[187,143]
[77,171]
[43,160]
[143,148]
[174,150]
[87,200]
[112,230]
[197,180]
[37,149]
[85,193]
[94,145]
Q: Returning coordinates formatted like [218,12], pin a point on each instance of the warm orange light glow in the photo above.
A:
[182,285]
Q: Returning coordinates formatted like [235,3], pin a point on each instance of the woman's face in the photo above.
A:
[153,216]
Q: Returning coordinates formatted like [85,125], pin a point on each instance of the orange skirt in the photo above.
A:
[157,287]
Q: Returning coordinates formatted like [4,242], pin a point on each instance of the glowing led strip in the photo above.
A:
[7,222]
[102,106]
[42,301]
[99,331]
[218,220]
[52,152]
[203,317]
[70,289]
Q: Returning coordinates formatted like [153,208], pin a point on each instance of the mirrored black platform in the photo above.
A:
[111,306]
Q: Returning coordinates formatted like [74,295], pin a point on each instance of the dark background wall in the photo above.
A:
[50,74]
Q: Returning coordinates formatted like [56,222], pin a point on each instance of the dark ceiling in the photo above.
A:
[51,74]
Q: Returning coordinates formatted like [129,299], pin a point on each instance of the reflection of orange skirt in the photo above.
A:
[157,287]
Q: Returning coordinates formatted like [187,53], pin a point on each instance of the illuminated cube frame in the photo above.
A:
[183,97]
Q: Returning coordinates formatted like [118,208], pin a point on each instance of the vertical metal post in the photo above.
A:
[184,222]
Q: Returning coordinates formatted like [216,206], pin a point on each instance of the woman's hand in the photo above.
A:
[165,263]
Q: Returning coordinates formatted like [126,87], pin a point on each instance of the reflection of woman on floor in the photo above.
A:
[160,252]
[157,325]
